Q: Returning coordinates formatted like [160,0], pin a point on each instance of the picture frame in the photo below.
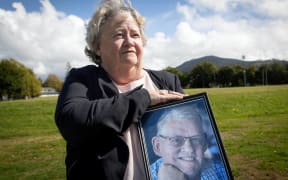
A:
[214,160]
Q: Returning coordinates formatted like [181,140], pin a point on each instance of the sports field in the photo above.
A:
[253,123]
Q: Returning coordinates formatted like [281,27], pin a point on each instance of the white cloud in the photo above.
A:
[47,40]
[44,41]
[274,8]
[220,5]
[257,30]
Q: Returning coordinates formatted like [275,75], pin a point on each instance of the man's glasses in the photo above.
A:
[178,141]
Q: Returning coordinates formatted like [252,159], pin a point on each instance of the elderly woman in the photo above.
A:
[99,106]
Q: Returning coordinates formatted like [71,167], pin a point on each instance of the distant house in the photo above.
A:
[48,91]
[4,98]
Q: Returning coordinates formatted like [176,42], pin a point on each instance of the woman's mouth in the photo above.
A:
[128,51]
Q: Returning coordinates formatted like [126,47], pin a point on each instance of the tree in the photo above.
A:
[182,76]
[286,74]
[261,74]
[203,75]
[33,85]
[225,76]
[17,81]
[237,79]
[251,75]
[276,73]
[53,81]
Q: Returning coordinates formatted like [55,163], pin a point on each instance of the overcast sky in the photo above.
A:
[45,35]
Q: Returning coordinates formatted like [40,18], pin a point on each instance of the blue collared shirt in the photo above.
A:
[211,171]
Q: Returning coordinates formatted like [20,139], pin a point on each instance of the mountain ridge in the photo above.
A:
[220,62]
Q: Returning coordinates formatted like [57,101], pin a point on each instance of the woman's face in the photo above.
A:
[121,45]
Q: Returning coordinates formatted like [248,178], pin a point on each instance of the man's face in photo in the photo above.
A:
[182,144]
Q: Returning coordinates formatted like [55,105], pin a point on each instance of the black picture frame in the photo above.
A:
[215,152]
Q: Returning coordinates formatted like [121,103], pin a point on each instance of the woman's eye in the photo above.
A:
[136,35]
[118,35]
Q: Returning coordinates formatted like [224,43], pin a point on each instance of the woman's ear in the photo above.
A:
[156,145]
[96,47]
[97,51]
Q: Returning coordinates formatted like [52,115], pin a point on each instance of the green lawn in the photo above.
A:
[253,123]
[30,145]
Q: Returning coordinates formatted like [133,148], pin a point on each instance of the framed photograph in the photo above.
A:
[180,140]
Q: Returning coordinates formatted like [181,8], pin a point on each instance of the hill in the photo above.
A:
[220,62]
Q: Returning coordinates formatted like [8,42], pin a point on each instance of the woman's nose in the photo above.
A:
[128,40]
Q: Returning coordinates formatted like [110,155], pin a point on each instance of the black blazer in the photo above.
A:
[91,116]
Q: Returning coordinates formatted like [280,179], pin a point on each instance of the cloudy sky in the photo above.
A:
[47,35]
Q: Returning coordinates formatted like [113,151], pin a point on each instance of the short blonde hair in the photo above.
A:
[106,10]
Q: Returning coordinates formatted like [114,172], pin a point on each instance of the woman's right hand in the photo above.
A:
[163,96]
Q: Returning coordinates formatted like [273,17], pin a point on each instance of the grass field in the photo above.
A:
[253,123]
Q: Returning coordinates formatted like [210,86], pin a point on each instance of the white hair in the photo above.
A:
[183,113]
[106,10]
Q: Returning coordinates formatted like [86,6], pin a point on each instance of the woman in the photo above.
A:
[99,106]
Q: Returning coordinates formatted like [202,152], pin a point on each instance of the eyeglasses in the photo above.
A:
[178,141]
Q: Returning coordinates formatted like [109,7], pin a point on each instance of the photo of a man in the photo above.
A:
[180,143]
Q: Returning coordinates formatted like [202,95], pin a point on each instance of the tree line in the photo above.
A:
[18,82]
[206,74]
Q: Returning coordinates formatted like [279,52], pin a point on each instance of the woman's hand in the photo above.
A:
[170,172]
[163,96]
